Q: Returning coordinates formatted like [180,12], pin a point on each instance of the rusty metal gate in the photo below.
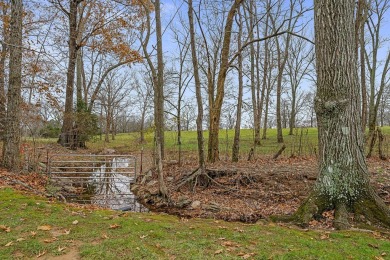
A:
[103,180]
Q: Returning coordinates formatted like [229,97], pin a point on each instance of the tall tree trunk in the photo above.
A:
[198,91]
[236,141]
[67,136]
[279,126]
[343,180]
[255,105]
[3,57]
[215,110]
[262,97]
[142,128]
[79,78]
[159,96]
[293,113]
[361,17]
[108,124]
[113,128]
[363,80]
[11,153]
[268,83]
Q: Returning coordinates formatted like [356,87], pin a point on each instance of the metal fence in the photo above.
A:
[103,180]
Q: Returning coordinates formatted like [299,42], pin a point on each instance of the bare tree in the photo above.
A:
[250,12]
[376,17]
[99,27]
[143,99]
[298,66]
[199,119]
[181,79]
[67,137]
[112,99]
[216,105]
[291,16]
[236,141]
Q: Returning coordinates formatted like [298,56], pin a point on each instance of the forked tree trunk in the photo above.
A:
[343,180]
[67,137]
[215,110]
[11,153]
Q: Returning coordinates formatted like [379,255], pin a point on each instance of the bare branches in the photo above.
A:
[267,38]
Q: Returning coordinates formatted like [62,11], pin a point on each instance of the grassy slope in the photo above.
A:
[159,236]
[128,142]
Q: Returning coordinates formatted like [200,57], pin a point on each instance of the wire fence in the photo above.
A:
[303,143]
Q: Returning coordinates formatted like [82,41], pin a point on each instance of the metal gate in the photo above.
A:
[103,180]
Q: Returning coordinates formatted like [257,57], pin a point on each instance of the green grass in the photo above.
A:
[160,236]
[303,142]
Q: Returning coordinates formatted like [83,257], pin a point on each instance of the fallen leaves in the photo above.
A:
[245,255]
[219,251]
[75,222]
[325,236]
[50,240]
[239,230]
[230,244]
[5,228]
[40,254]
[44,228]
[61,249]
[9,244]
[114,226]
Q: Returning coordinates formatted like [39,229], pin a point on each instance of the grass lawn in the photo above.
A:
[304,139]
[303,143]
[32,226]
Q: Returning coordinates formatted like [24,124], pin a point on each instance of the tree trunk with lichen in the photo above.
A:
[343,180]
[11,152]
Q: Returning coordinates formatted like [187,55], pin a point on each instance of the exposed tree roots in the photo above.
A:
[368,210]
[202,178]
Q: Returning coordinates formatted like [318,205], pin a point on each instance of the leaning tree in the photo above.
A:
[343,180]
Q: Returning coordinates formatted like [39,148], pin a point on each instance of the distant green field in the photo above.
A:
[302,143]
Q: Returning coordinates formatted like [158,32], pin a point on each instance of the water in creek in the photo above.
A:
[108,185]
